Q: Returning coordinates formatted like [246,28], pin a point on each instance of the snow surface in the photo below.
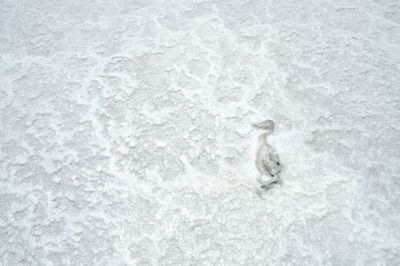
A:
[126,133]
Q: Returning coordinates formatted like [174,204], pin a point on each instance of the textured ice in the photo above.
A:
[126,138]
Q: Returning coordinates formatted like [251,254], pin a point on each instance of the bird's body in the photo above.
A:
[267,161]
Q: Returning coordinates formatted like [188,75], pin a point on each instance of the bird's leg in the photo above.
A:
[267,184]
[262,178]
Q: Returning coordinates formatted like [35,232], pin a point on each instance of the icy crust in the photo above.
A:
[126,134]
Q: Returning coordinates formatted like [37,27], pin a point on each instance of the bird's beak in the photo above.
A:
[265,125]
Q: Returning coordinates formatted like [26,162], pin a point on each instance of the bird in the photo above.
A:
[267,159]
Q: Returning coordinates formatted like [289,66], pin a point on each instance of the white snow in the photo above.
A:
[126,138]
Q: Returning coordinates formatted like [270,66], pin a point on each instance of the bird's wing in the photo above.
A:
[267,167]
[274,157]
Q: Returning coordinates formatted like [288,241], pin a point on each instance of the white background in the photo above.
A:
[125,134]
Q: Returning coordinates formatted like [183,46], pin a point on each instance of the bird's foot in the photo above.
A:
[268,185]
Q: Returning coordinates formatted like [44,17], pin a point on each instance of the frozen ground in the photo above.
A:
[126,139]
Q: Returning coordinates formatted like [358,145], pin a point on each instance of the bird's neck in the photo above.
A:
[262,139]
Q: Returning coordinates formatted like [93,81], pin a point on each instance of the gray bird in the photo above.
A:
[267,159]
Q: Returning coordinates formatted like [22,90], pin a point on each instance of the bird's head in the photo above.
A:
[268,126]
